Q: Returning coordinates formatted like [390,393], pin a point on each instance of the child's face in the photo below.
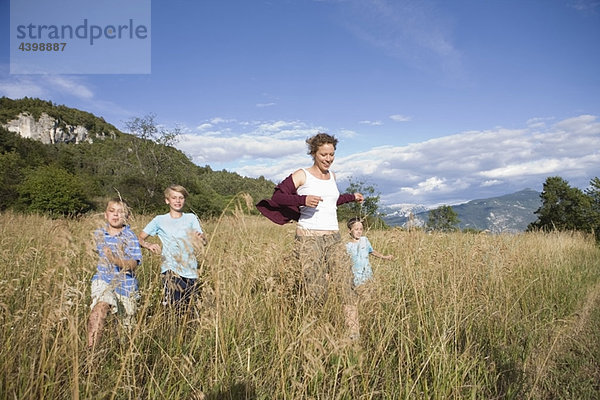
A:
[115,215]
[175,200]
[357,230]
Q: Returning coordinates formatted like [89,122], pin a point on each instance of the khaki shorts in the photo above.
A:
[325,263]
[104,292]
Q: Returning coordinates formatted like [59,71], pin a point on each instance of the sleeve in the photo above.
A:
[284,199]
[151,228]
[282,207]
[345,198]
[133,250]
[195,223]
[369,247]
[99,241]
[285,194]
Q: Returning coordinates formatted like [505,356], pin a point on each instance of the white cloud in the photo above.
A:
[204,127]
[538,122]
[286,129]
[211,149]
[263,105]
[247,142]
[57,88]
[276,126]
[415,32]
[43,86]
[461,166]
[478,164]
[71,86]
[372,123]
[399,118]
[18,87]
[347,133]
[586,6]
[537,167]
[491,182]
[429,185]
[583,124]
[444,170]
[219,120]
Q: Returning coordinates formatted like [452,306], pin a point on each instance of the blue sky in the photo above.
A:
[434,101]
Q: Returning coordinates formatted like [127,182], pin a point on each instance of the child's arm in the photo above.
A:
[153,247]
[126,265]
[382,256]
[200,237]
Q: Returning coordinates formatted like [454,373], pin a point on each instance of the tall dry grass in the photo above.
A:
[453,316]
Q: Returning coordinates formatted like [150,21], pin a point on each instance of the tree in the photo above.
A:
[443,219]
[368,210]
[11,175]
[153,162]
[54,191]
[147,128]
[563,207]
[593,192]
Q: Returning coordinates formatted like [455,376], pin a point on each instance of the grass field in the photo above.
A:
[454,316]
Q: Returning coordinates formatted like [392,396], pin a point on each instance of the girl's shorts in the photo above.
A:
[105,292]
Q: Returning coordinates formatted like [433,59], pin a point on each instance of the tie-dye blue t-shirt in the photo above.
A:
[361,267]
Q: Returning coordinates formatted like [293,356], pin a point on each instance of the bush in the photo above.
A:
[53,191]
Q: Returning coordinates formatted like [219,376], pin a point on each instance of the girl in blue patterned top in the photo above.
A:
[359,248]
[114,285]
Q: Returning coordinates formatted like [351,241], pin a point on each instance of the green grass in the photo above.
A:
[454,316]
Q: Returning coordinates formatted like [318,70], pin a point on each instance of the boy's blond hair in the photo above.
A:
[118,200]
[178,189]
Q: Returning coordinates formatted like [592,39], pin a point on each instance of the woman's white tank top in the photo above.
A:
[324,216]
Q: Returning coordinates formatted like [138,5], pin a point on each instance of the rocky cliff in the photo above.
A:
[49,130]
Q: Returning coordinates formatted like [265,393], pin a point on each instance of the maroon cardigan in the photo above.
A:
[283,206]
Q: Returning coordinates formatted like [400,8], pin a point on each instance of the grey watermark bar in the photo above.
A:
[80,37]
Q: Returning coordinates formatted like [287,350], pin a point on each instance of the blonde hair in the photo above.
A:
[178,189]
[123,203]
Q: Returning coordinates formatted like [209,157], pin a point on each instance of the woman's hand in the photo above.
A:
[312,201]
[358,197]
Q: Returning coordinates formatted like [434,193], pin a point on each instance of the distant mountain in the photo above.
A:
[508,213]
[400,214]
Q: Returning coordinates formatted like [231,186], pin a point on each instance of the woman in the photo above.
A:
[311,196]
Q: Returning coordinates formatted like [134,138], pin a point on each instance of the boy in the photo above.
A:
[114,285]
[359,249]
[178,232]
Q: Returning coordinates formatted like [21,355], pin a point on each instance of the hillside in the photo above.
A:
[507,213]
[50,123]
[60,160]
